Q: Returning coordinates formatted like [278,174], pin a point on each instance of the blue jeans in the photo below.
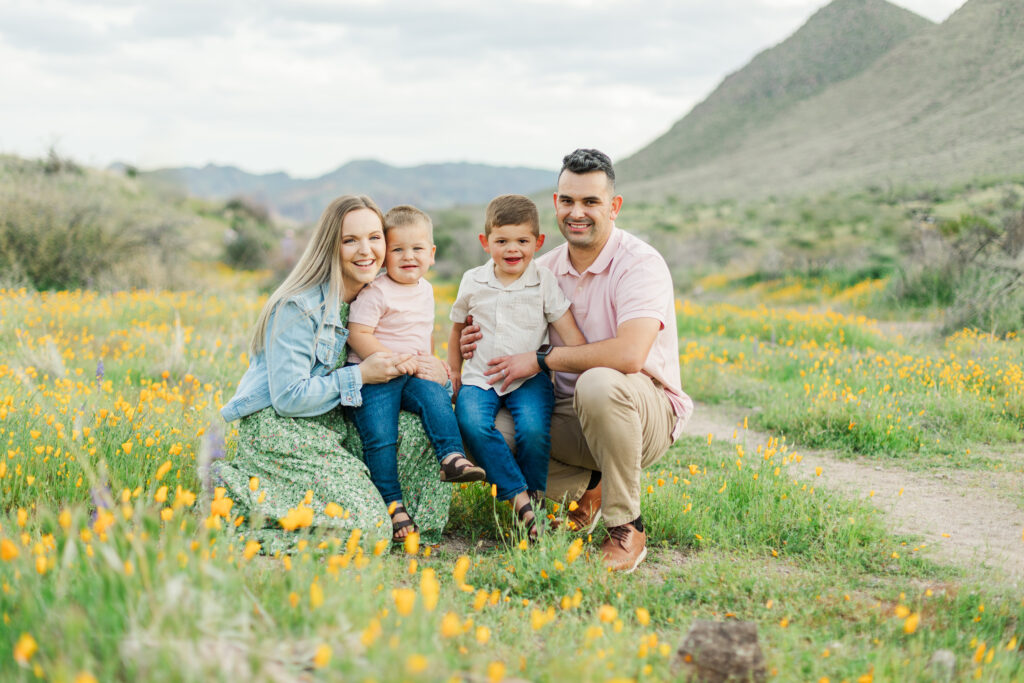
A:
[531,406]
[377,422]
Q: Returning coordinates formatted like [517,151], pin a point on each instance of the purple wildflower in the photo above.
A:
[99,372]
[212,450]
[102,499]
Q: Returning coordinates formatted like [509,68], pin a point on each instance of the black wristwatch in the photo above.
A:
[542,357]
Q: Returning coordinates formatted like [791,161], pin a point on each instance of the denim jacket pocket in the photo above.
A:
[326,352]
[329,345]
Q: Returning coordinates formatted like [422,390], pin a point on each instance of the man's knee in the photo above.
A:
[597,389]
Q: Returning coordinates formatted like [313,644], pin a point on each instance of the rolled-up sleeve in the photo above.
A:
[294,390]
[555,301]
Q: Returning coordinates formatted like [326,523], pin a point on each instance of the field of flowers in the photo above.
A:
[115,566]
[834,380]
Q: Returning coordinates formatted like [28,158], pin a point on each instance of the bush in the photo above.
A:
[65,228]
[251,237]
[971,267]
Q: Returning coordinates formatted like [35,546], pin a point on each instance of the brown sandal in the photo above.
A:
[460,469]
[528,518]
[399,509]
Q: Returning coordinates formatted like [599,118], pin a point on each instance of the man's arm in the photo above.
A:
[568,330]
[626,352]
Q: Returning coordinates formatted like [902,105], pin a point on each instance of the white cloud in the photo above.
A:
[305,86]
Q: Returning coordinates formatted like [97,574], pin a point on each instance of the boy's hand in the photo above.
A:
[408,366]
[470,335]
[511,368]
[431,368]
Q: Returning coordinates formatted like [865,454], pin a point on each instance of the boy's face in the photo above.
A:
[410,253]
[511,247]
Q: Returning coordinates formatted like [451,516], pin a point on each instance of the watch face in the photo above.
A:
[545,349]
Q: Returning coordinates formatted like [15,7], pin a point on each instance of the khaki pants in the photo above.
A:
[616,424]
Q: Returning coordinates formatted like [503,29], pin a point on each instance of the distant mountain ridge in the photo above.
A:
[839,41]
[431,186]
[944,104]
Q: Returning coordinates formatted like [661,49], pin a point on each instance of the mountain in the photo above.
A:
[431,186]
[946,104]
[837,42]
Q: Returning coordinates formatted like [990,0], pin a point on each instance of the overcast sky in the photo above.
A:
[304,86]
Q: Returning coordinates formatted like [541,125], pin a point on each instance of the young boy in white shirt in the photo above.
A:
[513,301]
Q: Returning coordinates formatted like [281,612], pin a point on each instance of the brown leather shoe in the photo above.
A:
[625,548]
[588,511]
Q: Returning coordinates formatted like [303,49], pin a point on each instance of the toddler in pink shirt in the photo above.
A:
[396,313]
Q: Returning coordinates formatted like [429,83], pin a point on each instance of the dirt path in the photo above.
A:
[960,516]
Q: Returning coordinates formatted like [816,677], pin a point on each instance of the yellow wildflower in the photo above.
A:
[450,625]
[405,599]
[24,649]
[323,656]
[8,551]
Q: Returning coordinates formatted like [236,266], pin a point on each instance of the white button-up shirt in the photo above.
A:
[513,318]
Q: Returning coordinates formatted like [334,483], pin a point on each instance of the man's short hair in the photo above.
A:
[511,209]
[587,161]
[405,214]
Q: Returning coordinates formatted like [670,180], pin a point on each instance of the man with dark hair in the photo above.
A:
[619,403]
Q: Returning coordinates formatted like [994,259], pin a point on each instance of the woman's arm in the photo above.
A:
[290,355]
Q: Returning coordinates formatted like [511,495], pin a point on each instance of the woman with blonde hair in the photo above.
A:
[294,437]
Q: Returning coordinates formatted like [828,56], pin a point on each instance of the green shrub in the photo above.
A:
[251,237]
[972,268]
[65,228]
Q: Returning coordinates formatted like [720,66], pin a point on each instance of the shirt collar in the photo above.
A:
[529,278]
[604,259]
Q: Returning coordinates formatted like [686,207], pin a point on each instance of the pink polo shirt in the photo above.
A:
[628,280]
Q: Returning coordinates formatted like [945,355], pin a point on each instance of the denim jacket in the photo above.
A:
[295,371]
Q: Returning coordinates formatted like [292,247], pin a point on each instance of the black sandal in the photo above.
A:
[398,509]
[460,469]
[528,518]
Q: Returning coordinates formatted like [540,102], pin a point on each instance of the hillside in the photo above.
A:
[302,199]
[66,226]
[945,105]
[837,42]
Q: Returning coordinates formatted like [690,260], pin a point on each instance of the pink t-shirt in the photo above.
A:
[402,315]
[628,280]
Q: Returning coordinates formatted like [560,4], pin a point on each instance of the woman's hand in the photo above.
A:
[382,367]
[431,368]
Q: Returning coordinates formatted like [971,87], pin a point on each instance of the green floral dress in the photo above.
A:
[323,454]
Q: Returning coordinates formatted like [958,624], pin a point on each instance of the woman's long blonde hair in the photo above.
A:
[319,263]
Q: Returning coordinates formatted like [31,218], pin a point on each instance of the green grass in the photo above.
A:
[829,380]
[191,606]
[732,534]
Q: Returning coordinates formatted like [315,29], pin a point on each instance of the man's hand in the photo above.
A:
[470,336]
[507,369]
